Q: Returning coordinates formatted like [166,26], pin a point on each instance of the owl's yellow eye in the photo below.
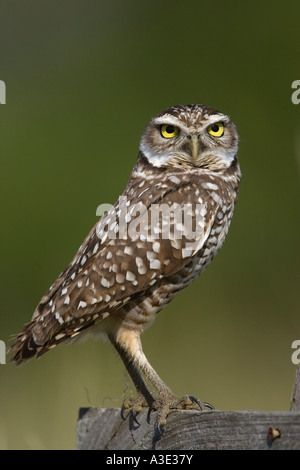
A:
[217,130]
[168,131]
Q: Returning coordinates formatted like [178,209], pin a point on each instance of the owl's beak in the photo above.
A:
[194,146]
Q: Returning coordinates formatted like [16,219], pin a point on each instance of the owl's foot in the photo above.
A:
[164,406]
[135,405]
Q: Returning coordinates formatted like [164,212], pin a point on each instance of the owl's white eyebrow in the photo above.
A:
[172,120]
[168,119]
[213,118]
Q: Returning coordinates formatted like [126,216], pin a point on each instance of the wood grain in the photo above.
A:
[104,429]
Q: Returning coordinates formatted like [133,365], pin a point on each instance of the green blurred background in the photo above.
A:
[83,79]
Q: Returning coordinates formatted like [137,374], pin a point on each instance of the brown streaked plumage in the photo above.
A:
[135,260]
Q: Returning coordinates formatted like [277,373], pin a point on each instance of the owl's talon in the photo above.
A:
[208,405]
[134,414]
[159,430]
[123,408]
[165,406]
[149,413]
[203,404]
[195,400]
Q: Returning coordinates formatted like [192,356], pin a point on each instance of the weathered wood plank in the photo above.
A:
[104,428]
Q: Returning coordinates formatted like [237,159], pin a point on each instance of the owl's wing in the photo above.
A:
[115,263]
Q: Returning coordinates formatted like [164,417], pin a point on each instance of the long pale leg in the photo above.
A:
[128,345]
[144,396]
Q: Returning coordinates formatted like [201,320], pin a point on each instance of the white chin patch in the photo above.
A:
[156,159]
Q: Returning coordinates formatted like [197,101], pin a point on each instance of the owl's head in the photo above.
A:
[190,136]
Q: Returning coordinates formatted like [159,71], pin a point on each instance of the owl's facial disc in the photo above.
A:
[193,138]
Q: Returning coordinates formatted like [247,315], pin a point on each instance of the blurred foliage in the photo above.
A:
[83,79]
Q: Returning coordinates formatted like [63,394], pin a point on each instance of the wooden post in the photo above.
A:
[295,398]
[105,429]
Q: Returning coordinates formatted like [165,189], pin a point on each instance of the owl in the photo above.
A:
[161,234]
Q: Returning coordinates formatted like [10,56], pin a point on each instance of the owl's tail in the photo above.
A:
[24,346]
[30,342]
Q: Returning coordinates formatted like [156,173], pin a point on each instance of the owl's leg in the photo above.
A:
[166,401]
[144,397]
[129,344]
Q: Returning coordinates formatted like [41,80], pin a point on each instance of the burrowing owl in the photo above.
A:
[160,235]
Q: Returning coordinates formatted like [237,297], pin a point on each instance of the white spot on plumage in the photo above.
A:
[156,247]
[59,318]
[150,255]
[114,268]
[67,300]
[104,237]
[206,252]
[130,276]
[142,269]
[155,264]
[128,250]
[75,334]
[212,186]
[139,261]
[60,336]
[81,304]
[105,282]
